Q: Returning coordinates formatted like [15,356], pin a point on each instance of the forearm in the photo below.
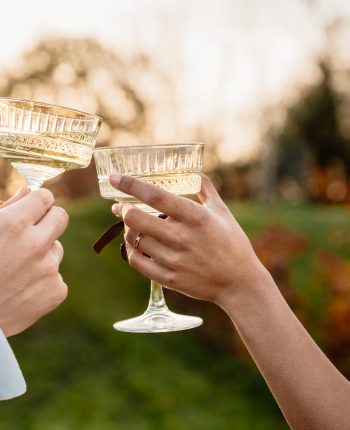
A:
[310,391]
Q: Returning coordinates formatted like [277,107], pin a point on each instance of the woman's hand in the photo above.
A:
[199,250]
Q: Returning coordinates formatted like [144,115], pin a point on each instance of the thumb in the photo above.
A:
[208,195]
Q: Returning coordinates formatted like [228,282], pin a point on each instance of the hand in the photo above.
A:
[30,284]
[199,250]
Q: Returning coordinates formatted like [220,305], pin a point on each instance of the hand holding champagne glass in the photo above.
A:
[174,168]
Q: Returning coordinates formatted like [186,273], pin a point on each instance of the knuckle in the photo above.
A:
[46,197]
[156,195]
[179,239]
[125,183]
[199,214]
[51,267]
[59,247]
[170,279]
[130,236]
[58,295]
[62,292]
[61,215]
[172,261]
[126,237]
[130,216]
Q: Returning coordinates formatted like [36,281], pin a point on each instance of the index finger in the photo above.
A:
[31,208]
[177,207]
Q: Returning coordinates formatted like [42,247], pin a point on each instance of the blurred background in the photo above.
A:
[266,85]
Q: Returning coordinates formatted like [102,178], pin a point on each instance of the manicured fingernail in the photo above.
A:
[115,178]
[117,209]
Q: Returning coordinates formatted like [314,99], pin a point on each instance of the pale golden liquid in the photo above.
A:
[44,151]
[180,184]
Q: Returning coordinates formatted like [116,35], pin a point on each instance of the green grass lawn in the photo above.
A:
[82,374]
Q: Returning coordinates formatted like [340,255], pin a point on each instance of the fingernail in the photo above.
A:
[117,209]
[115,178]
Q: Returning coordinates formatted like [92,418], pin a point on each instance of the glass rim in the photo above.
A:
[137,147]
[51,105]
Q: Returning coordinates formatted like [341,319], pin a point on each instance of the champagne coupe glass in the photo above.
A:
[41,141]
[174,168]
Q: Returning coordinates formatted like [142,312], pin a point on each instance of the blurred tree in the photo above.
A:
[82,74]
[312,151]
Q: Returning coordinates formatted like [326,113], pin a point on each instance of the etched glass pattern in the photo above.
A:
[174,168]
[41,140]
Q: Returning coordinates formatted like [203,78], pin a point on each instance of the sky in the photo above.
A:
[230,58]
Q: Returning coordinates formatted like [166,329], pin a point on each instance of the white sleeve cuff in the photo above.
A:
[12,383]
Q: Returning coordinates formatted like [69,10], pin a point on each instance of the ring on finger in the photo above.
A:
[137,241]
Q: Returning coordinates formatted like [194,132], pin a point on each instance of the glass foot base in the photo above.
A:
[158,321]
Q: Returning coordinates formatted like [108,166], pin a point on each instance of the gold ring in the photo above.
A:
[137,241]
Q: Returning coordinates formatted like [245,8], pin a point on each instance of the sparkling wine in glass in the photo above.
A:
[173,167]
[41,141]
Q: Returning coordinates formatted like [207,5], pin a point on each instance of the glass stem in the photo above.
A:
[156,300]
[34,183]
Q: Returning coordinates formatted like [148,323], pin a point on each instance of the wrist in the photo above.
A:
[251,291]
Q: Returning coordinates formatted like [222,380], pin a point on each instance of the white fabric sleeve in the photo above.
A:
[12,383]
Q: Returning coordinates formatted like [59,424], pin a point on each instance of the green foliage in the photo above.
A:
[313,148]
[82,374]
[312,124]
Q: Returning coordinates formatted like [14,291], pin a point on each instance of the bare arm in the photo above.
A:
[308,388]
[310,391]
